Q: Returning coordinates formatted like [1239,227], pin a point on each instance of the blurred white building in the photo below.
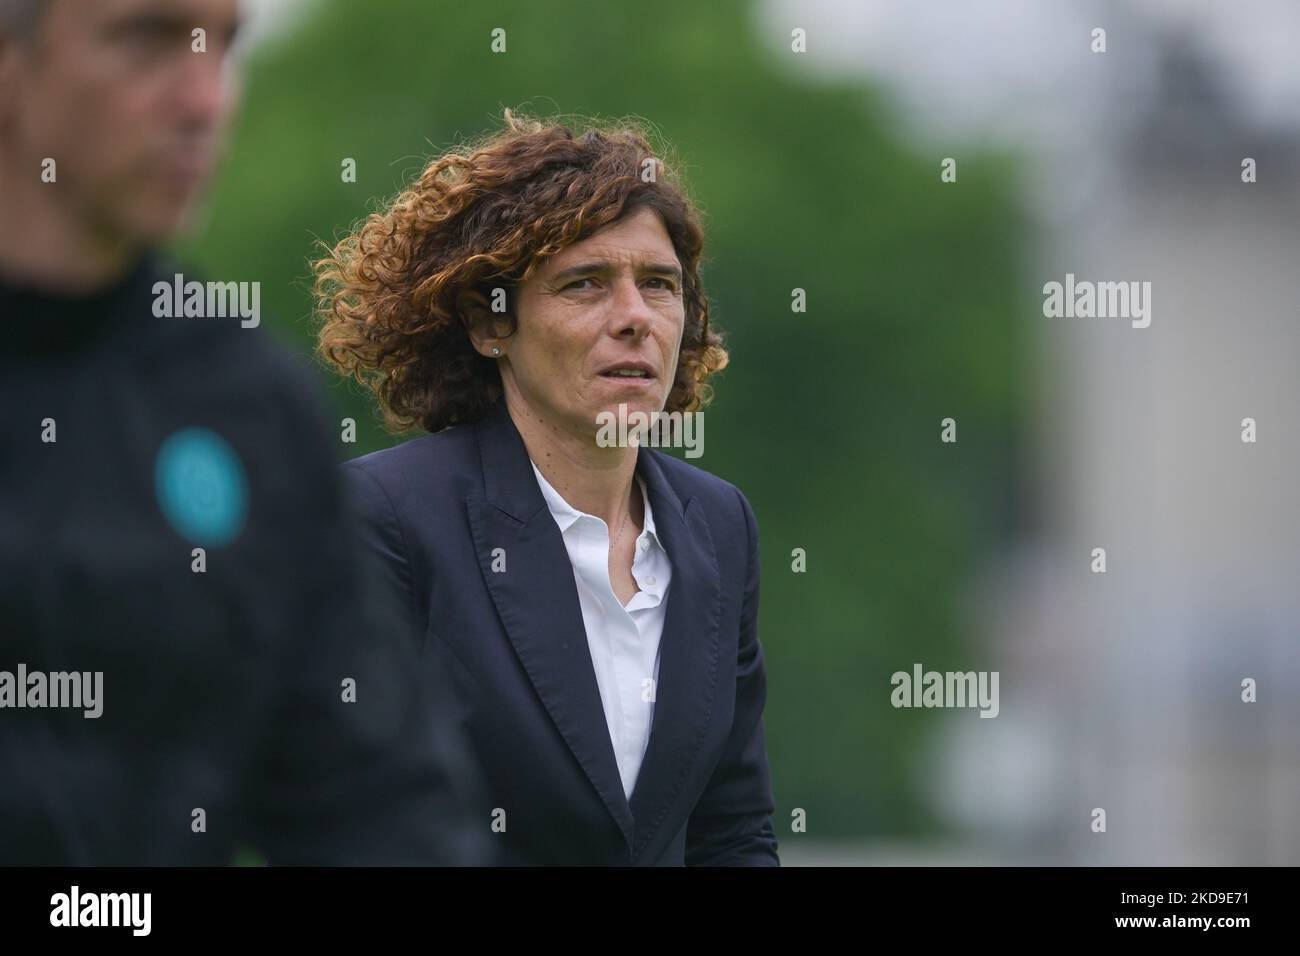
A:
[1122,690]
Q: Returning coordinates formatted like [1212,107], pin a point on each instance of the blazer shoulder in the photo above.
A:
[429,468]
[422,459]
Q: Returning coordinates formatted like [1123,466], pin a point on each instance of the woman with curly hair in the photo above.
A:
[595,601]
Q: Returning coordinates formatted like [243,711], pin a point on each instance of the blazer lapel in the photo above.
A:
[688,652]
[537,600]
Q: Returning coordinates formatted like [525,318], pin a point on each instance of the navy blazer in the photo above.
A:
[436,508]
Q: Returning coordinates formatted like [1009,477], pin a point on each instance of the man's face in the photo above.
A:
[613,299]
[115,93]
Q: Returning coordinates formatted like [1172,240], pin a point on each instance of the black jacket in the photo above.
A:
[436,508]
[222,690]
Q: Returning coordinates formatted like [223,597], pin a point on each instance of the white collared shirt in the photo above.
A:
[623,639]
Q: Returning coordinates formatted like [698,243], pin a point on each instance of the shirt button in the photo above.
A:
[650,580]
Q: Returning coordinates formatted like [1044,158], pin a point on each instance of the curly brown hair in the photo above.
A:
[487,215]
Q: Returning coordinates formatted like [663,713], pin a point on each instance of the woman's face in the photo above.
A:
[611,300]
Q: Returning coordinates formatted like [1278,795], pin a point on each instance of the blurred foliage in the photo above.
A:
[829,421]
[246,855]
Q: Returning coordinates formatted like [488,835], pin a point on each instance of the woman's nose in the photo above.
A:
[630,309]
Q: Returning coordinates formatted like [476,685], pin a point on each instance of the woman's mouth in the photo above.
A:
[628,378]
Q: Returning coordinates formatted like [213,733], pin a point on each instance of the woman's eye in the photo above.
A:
[664,284]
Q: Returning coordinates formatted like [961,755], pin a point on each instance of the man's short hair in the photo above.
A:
[18,18]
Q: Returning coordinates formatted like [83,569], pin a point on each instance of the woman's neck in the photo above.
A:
[592,479]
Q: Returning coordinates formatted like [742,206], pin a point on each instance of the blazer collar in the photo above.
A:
[537,601]
[510,484]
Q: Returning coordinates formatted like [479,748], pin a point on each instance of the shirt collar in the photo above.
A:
[565,514]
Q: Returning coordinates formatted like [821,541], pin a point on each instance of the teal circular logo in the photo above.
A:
[201,486]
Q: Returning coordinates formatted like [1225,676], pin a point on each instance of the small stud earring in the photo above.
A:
[495,350]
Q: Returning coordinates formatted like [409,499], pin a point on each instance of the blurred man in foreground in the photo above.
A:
[190,661]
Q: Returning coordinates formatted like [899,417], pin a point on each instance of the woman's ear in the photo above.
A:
[486,328]
[487,319]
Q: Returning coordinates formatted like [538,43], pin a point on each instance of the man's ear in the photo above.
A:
[12,53]
[485,321]
[8,78]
